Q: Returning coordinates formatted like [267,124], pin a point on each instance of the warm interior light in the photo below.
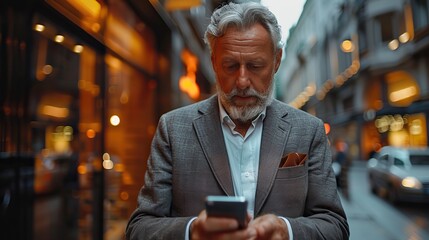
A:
[347,46]
[78,48]
[81,169]
[188,82]
[188,85]
[47,69]
[115,120]
[125,39]
[59,38]
[403,93]
[108,164]
[91,7]
[106,156]
[124,195]
[172,5]
[393,45]
[53,111]
[90,133]
[119,167]
[404,38]
[39,27]
[416,127]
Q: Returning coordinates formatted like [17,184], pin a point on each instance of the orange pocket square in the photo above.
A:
[293,159]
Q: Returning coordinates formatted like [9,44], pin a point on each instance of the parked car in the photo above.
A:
[400,174]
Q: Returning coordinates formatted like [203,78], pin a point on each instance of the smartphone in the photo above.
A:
[228,206]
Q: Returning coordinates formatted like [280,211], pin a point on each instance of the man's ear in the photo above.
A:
[278,59]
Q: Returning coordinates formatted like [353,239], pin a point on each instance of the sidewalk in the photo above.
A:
[362,225]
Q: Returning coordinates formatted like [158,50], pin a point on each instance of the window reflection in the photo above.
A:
[65,132]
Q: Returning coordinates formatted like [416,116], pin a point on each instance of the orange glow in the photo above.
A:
[81,169]
[124,195]
[90,133]
[188,85]
[115,120]
[172,5]
[108,164]
[90,7]
[119,167]
[403,93]
[327,128]
[53,111]
[409,22]
[404,38]
[59,38]
[188,82]
[78,48]
[393,45]
[402,88]
[39,27]
[347,46]
[127,41]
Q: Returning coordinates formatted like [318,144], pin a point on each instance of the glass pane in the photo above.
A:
[419,160]
[420,14]
[131,112]
[386,24]
[398,162]
[65,132]
[129,37]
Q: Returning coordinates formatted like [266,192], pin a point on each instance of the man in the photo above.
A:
[240,142]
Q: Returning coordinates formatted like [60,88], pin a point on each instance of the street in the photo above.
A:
[373,218]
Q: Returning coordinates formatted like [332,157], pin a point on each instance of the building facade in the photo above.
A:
[82,85]
[364,73]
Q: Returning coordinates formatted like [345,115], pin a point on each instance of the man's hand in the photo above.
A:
[270,227]
[219,228]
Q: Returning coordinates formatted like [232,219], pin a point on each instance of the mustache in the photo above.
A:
[248,92]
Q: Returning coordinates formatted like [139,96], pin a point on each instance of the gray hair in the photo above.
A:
[242,16]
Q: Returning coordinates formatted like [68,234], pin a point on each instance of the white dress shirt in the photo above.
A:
[243,155]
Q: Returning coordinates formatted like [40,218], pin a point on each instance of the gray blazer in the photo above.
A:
[188,161]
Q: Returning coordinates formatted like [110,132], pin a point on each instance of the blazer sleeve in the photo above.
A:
[324,217]
[151,219]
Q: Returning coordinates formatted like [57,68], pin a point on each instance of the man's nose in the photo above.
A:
[243,80]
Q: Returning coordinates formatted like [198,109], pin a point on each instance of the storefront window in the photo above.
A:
[132,119]
[385,24]
[68,105]
[403,130]
[402,88]
[130,112]
[64,105]
[129,37]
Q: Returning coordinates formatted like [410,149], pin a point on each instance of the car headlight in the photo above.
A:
[411,182]
[371,163]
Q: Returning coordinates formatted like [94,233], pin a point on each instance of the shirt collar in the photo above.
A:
[224,117]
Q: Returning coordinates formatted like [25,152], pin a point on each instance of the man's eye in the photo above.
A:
[231,67]
[254,66]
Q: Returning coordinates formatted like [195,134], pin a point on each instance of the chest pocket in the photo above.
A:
[288,195]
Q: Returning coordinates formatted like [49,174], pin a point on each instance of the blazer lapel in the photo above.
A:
[274,138]
[210,135]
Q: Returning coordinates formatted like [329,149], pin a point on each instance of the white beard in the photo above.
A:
[248,112]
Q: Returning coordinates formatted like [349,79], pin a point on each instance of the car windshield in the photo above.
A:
[419,160]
